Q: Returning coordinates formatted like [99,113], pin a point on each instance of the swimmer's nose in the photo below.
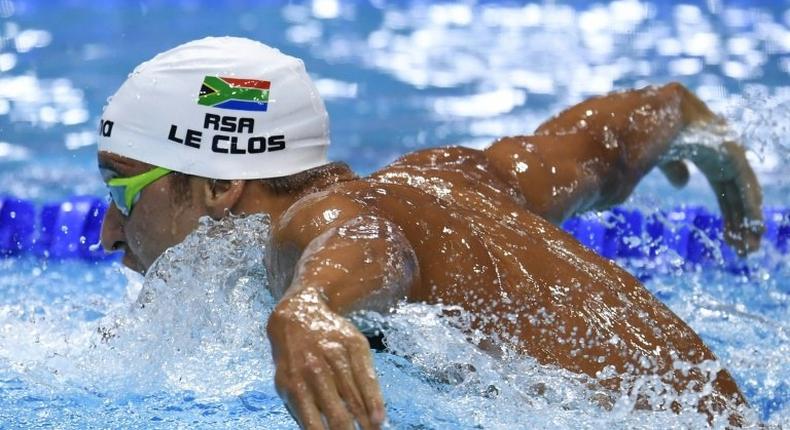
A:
[112,237]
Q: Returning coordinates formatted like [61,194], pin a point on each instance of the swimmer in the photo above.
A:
[224,126]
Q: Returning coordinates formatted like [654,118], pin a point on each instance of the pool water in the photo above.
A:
[89,345]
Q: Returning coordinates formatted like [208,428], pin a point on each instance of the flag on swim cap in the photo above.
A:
[222,108]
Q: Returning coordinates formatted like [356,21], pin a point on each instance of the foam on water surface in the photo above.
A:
[187,344]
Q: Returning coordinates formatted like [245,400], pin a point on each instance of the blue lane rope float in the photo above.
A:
[70,229]
[62,230]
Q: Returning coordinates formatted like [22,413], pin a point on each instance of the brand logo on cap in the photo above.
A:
[234,93]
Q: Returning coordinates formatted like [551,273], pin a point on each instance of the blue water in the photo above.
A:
[395,77]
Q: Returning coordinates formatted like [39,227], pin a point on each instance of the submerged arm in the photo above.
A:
[593,154]
[323,362]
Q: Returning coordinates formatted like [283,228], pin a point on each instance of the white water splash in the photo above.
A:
[197,327]
[197,323]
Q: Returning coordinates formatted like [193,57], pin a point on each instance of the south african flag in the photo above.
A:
[234,93]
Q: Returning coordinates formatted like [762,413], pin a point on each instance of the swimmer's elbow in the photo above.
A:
[389,260]
[367,263]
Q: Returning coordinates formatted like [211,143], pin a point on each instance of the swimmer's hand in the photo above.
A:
[325,373]
[710,144]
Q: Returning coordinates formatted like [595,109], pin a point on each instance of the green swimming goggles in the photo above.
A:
[125,192]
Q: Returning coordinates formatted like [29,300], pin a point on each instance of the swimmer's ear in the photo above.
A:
[221,196]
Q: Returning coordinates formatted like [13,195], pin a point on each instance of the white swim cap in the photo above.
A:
[221,108]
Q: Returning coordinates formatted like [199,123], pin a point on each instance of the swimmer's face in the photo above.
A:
[159,219]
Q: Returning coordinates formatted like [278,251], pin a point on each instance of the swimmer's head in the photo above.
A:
[213,114]
[220,108]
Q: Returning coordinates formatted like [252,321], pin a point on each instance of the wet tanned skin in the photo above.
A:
[524,279]
[475,229]
[479,229]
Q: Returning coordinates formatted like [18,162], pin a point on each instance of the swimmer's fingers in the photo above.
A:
[751,193]
[365,377]
[740,198]
[320,378]
[300,404]
[732,212]
[339,360]
[320,356]
[312,398]
[738,193]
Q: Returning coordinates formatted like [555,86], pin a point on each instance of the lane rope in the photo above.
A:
[70,229]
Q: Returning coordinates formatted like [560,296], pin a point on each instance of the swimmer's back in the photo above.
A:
[479,247]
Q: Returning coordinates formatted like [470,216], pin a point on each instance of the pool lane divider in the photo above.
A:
[691,233]
[70,229]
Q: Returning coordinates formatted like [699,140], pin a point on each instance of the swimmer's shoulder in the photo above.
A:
[316,212]
[395,192]
[449,173]
[319,211]
[443,158]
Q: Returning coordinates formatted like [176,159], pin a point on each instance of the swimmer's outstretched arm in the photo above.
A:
[592,155]
[350,261]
